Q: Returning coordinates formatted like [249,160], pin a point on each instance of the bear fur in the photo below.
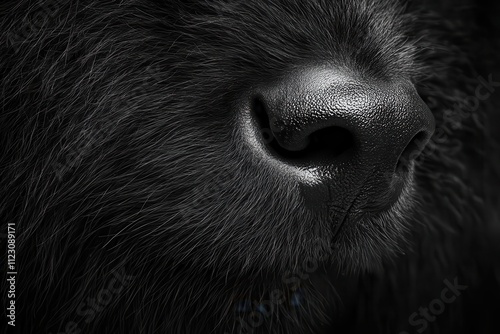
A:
[137,209]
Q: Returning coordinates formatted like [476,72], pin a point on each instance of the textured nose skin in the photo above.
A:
[380,118]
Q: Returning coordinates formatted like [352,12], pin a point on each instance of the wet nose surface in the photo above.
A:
[356,134]
[317,116]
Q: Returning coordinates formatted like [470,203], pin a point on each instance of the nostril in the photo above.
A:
[258,107]
[262,118]
[328,142]
[333,140]
[412,150]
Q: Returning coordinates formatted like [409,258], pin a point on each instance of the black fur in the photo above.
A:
[120,153]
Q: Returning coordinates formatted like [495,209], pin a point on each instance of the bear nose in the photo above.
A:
[321,116]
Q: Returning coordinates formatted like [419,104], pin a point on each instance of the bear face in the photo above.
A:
[173,160]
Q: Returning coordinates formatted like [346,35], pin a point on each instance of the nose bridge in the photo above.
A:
[382,116]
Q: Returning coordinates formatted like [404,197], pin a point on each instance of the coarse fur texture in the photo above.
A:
[120,153]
